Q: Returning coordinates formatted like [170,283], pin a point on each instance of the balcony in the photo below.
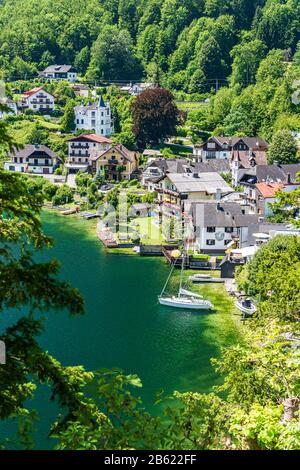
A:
[39,164]
[79,146]
[168,192]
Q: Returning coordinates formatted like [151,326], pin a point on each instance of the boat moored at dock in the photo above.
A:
[186,303]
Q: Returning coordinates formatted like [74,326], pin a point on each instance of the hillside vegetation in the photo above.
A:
[246,51]
[189,42]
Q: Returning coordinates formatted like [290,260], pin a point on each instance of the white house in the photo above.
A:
[38,99]
[11,105]
[96,117]
[136,89]
[37,159]
[80,150]
[217,225]
[175,189]
[221,148]
[61,72]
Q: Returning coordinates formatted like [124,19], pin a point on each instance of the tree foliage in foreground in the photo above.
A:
[273,277]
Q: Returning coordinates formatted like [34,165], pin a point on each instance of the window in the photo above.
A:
[79,159]
[102,131]
[21,160]
[228,229]
[211,145]
[210,242]
[211,229]
[211,155]
[77,121]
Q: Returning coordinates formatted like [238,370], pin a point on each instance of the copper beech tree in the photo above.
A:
[155,116]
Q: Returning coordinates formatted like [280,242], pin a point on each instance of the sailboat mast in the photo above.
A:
[169,277]
[182,268]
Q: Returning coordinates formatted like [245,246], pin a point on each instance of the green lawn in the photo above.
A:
[150,234]
[189,106]
[21,129]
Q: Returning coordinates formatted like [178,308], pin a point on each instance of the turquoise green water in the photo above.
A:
[124,326]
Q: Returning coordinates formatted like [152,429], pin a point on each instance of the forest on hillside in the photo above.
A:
[186,43]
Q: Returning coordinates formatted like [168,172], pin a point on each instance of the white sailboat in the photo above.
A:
[187,293]
[185,298]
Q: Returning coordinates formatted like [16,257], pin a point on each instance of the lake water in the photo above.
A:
[124,326]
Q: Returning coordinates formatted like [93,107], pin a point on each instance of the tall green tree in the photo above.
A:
[68,120]
[113,56]
[283,149]
[246,60]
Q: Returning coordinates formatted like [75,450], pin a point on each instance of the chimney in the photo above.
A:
[289,179]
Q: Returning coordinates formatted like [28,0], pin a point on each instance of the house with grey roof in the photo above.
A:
[176,188]
[95,117]
[213,166]
[11,106]
[260,184]
[219,225]
[157,168]
[60,72]
[221,148]
[37,159]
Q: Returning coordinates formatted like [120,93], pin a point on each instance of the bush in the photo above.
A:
[64,195]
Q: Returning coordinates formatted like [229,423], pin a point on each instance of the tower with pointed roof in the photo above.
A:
[95,117]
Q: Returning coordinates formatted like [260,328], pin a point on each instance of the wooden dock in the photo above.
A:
[107,239]
[206,280]
[89,215]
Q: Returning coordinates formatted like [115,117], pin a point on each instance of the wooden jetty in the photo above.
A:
[107,239]
[196,279]
[89,215]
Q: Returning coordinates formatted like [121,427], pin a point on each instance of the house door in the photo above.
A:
[46,171]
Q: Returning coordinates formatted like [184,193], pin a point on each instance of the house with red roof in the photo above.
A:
[80,148]
[265,195]
[39,100]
